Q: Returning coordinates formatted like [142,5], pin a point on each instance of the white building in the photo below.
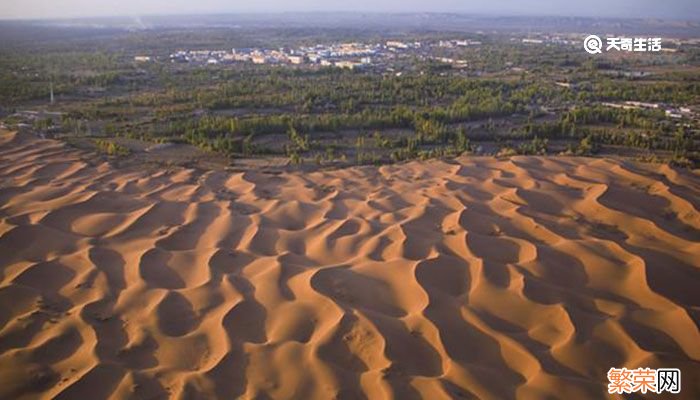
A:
[295,59]
[347,64]
[396,44]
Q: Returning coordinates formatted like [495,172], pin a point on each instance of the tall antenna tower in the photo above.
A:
[51,89]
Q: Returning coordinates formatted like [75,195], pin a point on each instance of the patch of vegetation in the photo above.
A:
[111,148]
[507,100]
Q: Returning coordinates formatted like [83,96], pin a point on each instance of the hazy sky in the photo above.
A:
[684,9]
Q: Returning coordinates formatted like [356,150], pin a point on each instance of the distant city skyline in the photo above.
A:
[41,9]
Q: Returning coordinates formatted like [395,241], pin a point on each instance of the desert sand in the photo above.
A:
[481,278]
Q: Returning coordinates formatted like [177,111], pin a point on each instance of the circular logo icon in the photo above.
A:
[593,44]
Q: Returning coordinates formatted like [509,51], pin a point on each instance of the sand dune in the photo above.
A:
[524,278]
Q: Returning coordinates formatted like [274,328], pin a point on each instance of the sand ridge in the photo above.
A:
[476,278]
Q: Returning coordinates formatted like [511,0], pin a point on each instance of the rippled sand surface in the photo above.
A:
[525,278]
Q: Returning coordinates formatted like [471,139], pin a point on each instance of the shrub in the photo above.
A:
[110,148]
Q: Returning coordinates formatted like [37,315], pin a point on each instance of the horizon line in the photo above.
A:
[344,12]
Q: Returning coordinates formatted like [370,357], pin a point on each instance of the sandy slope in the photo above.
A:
[523,278]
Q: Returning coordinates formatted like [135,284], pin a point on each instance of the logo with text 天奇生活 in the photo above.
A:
[593,44]
[643,380]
